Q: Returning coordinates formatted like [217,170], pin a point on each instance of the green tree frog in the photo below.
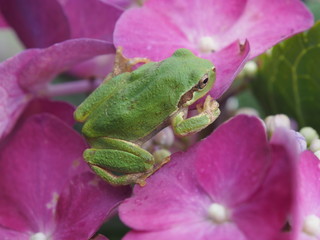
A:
[128,109]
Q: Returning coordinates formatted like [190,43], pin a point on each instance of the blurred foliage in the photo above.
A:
[314,6]
[248,100]
[114,229]
[288,80]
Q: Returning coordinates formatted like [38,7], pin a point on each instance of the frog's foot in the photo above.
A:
[208,113]
[209,108]
[120,162]
[123,64]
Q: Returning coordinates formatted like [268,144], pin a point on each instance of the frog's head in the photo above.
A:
[200,76]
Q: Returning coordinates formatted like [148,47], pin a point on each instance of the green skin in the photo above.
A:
[127,110]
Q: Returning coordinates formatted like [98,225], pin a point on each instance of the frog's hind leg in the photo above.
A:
[120,162]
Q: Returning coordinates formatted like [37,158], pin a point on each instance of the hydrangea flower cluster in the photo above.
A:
[246,180]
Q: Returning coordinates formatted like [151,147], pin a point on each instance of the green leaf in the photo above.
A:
[288,80]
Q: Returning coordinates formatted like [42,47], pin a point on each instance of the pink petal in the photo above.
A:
[84,205]
[309,184]
[175,199]
[165,26]
[271,205]
[265,23]
[160,37]
[308,194]
[199,231]
[36,21]
[158,46]
[38,160]
[7,234]
[233,161]
[228,62]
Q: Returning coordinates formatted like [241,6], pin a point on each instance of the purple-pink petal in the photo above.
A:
[235,167]
[230,167]
[47,187]
[27,74]
[270,205]
[181,199]
[62,110]
[12,97]
[38,23]
[84,205]
[91,19]
[198,231]
[308,195]
[3,23]
[309,184]
[37,162]
[59,57]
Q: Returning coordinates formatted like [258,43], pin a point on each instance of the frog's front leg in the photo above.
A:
[120,162]
[208,113]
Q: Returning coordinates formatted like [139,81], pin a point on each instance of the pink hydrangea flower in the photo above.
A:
[46,190]
[36,21]
[233,185]
[306,221]
[207,28]
[27,75]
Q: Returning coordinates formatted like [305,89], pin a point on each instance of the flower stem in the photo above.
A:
[79,86]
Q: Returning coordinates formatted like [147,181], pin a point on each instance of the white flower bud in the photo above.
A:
[279,120]
[309,133]
[315,145]
[250,69]
[247,111]
[165,137]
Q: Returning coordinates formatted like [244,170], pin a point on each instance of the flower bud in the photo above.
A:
[315,145]
[309,133]
[247,111]
[165,137]
[279,120]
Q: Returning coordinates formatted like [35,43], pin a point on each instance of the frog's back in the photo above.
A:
[145,102]
[134,111]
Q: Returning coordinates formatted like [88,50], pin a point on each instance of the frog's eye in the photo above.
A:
[203,82]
